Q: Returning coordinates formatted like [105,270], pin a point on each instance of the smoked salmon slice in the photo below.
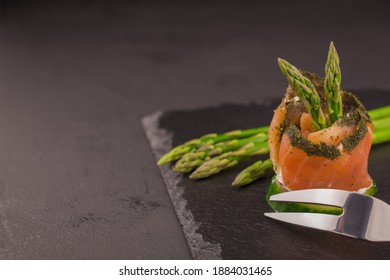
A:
[335,157]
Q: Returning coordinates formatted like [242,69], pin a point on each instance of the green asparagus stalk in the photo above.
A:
[252,173]
[332,84]
[235,144]
[382,129]
[379,113]
[229,159]
[382,124]
[209,139]
[192,160]
[381,136]
[177,153]
[306,92]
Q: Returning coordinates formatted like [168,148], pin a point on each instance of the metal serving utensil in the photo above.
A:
[363,216]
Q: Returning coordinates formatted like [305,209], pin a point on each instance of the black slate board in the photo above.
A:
[220,221]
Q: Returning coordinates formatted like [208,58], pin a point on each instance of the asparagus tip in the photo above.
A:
[240,181]
[163,160]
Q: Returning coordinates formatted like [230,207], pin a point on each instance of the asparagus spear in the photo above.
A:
[229,159]
[191,160]
[332,84]
[252,173]
[381,136]
[306,92]
[382,130]
[379,113]
[206,140]
[382,124]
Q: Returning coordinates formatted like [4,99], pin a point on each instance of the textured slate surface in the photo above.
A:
[223,222]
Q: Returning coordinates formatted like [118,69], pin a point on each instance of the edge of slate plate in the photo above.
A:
[161,142]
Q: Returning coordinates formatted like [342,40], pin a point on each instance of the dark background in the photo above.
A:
[77,176]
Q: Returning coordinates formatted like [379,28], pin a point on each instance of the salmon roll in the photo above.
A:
[334,157]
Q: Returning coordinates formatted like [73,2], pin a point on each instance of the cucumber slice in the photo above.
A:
[274,188]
